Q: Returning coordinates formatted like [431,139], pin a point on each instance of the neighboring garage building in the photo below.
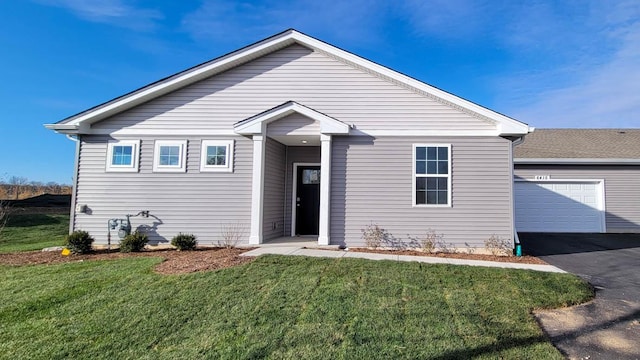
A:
[578,180]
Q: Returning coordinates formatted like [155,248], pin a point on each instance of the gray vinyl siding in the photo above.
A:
[296,154]
[294,73]
[273,220]
[191,202]
[621,183]
[372,183]
[294,124]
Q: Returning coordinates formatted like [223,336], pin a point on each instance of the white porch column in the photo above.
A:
[257,190]
[325,189]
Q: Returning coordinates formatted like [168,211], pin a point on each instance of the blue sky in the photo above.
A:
[547,63]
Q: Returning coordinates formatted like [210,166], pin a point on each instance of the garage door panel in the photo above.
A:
[558,207]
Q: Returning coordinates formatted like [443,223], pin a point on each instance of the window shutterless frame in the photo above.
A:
[123,156]
[432,173]
[216,155]
[170,156]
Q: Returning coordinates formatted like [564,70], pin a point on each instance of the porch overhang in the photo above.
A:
[255,125]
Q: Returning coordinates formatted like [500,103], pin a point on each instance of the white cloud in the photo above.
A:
[112,12]
[459,20]
[595,78]
[233,22]
[603,96]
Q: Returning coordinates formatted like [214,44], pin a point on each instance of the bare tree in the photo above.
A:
[17,183]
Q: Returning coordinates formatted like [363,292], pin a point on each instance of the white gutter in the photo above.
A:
[578,161]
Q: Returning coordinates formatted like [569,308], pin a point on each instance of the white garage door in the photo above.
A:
[548,206]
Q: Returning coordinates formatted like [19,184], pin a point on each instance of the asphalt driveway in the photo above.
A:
[609,326]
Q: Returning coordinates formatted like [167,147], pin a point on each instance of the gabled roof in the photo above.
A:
[580,146]
[254,124]
[505,125]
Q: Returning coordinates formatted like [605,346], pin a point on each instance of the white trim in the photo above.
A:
[257,190]
[559,180]
[601,194]
[514,143]
[227,167]
[182,163]
[135,156]
[294,191]
[352,132]
[74,189]
[449,177]
[577,161]
[504,124]
[162,132]
[324,229]
[253,125]
[434,133]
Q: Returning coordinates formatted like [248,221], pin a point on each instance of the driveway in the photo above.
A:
[609,326]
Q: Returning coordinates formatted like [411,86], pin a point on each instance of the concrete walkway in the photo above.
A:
[301,251]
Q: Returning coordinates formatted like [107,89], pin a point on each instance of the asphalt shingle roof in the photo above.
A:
[580,144]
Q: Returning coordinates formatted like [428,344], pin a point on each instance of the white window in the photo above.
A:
[216,155]
[170,156]
[432,175]
[123,156]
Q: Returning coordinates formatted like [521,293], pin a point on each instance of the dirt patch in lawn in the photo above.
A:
[484,257]
[175,262]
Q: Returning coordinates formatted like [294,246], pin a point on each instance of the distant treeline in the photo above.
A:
[16,188]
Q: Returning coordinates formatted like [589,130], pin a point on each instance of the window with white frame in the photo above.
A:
[432,175]
[170,156]
[123,156]
[216,155]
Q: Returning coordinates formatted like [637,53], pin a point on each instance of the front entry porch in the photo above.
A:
[283,201]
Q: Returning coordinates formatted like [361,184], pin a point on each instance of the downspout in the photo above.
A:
[516,239]
[74,189]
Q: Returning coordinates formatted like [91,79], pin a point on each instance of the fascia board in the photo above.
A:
[63,128]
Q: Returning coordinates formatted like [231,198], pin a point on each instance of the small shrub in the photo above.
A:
[79,242]
[184,241]
[373,235]
[134,242]
[232,234]
[429,242]
[445,247]
[498,246]
[470,249]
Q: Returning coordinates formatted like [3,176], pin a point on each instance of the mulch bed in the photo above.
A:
[175,262]
[512,259]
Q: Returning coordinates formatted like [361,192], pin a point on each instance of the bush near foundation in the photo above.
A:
[184,241]
[134,242]
[79,242]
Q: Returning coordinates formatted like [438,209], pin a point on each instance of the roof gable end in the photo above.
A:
[504,125]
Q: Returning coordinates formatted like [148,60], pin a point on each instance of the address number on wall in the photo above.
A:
[542,177]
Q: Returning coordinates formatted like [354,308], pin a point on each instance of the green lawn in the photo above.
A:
[24,232]
[278,307]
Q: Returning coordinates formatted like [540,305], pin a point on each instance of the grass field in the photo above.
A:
[24,232]
[278,307]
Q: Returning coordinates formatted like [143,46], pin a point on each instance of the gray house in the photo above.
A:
[578,180]
[291,136]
